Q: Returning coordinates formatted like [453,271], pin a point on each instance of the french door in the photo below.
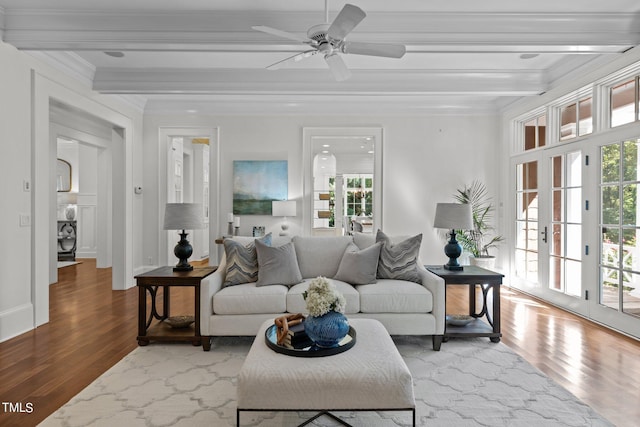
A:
[549,225]
[577,230]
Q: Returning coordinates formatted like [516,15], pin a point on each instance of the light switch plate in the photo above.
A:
[25,220]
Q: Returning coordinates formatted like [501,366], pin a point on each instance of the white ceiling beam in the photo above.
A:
[259,81]
[207,31]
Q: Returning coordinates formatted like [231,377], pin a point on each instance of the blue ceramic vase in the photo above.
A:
[327,330]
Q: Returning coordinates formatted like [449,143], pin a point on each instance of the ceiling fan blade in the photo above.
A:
[279,33]
[345,22]
[295,58]
[338,67]
[374,49]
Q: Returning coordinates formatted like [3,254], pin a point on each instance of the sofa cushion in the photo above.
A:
[296,303]
[320,256]
[395,296]
[277,266]
[242,261]
[400,260]
[359,267]
[250,299]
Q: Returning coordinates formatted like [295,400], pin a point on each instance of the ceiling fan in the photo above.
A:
[329,40]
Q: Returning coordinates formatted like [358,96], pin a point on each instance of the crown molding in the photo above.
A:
[69,63]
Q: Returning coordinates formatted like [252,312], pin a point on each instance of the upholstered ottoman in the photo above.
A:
[371,376]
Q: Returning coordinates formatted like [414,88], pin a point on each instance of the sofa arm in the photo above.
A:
[437,287]
[208,288]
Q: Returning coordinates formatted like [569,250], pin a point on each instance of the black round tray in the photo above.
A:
[313,351]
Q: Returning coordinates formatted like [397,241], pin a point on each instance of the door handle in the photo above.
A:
[544,234]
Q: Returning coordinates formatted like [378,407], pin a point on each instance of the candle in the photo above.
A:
[230,217]
[236,222]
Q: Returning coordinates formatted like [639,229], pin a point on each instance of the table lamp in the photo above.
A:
[453,216]
[283,208]
[183,216]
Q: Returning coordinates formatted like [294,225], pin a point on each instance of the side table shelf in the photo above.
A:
[149,284]
[486,280]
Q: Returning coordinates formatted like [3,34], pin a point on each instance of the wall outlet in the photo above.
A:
[25,220]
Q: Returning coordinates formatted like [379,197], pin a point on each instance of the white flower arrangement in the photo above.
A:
[322,297]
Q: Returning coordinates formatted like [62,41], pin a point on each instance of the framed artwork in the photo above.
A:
[256,183]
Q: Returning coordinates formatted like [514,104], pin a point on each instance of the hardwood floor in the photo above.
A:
[92,327]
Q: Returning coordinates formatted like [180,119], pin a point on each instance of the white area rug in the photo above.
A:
[470,382]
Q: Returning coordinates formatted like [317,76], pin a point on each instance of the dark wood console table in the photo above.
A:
[165,277]
[487,280]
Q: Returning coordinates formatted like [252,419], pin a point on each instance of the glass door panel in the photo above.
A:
[619,287]
[526,247]
[565,251]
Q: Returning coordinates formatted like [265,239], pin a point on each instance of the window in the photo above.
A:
[535,132]
[359,195]
[576,119]
[624,102]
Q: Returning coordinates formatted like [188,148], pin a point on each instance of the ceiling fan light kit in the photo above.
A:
[329,40]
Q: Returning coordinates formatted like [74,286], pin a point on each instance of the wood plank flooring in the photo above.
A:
[92,327]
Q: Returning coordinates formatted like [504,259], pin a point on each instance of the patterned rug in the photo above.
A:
[470,382]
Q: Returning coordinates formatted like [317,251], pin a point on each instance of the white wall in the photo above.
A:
[23,280]
[425,158]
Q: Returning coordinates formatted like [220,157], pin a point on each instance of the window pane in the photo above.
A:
[574,205]
[609,286]
[610,204]
[556,206]
[556,173]
[568,117]
[574,239]
[556,273]
[585,117]
[631,295]
[573,278]
[630,163]
[530,130]
[531,176]
[610,160]
[574,169]
[630,204]
[610,247]
[623,108]
[542,131]
[521,234]
[557,238]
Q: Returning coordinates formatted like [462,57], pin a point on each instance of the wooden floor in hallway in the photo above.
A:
[92,327]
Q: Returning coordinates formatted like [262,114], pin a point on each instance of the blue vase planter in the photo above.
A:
[327,330]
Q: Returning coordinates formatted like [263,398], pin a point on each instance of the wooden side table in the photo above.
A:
[487,280]
[165,277]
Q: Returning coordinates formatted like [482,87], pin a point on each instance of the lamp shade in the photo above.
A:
[183,216]
[453,216]
[283,208]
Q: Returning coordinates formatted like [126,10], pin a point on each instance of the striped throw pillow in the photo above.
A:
[399,261]
[242,261]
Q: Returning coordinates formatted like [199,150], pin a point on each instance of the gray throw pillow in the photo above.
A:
[359,267]
[277,265]
[242,261]
[399,261]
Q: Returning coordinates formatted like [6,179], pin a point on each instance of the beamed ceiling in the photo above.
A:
[463,56]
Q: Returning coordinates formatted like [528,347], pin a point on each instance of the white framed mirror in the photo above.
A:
[342,180]
[63,176]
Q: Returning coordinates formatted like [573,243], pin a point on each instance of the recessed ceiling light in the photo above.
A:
[529,55]
[192,111]
[326,145]
[325,152]
[115,54]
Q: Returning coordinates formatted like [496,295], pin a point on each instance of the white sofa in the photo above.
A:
[403,307]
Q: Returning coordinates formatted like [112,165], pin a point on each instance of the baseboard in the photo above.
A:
[16,321]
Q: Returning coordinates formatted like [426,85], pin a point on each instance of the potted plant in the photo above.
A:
[477,241]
